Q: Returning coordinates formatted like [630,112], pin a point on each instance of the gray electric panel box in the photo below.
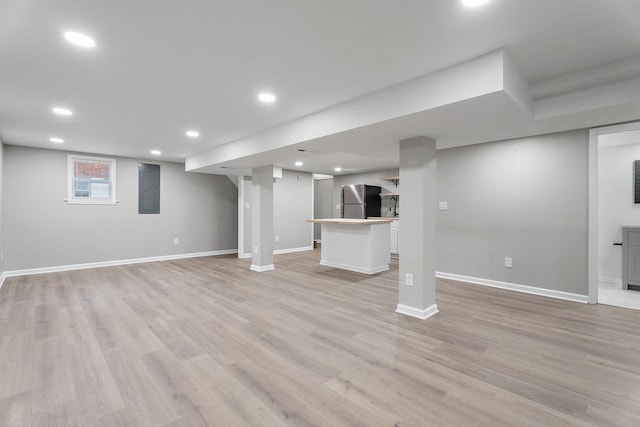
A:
[148,188]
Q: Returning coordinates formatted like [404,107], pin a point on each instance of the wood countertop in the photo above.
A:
[351,221]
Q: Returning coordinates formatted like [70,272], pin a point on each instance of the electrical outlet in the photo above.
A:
[408,279]
[176,242]
[247,206]
[337,207]
[508,263]
[1,255]
[277,238]
[255,249]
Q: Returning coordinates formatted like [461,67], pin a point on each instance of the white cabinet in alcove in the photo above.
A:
[395,232]
[631,258]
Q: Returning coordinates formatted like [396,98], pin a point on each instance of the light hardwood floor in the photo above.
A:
[207,342]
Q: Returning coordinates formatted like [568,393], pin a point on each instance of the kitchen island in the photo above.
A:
[360,245]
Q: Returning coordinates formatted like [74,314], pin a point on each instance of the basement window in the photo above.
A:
[91,180]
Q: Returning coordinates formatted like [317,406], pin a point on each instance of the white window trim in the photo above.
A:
[70,200]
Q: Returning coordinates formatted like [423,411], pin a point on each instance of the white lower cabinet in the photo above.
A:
[395,231]
[630,258]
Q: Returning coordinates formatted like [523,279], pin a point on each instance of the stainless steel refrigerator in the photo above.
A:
[360,201]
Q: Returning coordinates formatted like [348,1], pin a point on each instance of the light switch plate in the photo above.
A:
[443,206]
[508,263]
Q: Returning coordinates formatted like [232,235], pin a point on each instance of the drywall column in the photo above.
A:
[417,287]
[262,218]
[1,221]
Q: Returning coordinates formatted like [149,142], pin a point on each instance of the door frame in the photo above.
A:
[592,251]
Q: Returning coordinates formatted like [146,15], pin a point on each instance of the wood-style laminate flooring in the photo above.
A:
[205,341]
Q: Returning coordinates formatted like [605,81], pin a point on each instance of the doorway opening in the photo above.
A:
[613,150]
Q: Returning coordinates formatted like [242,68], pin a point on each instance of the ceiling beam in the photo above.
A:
[487,74]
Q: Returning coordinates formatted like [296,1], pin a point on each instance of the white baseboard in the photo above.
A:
[515,287]
[422,314]
[611,280]
[2,277]
[291,250]
[262,268]
[84,266]
[281,251]
[354,268]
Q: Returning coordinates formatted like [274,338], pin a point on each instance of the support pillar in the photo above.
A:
[417,240]
[262,219]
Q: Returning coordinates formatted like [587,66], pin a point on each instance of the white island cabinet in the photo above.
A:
[394,232]
[360,245]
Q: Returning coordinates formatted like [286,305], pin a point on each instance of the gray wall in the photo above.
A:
[41,230]
[292,207]
[369,178]
[525,199]
[615,206]
[322,203]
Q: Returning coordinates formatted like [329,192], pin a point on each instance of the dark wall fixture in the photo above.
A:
[148,188]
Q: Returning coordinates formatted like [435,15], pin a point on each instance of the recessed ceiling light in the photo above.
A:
[299,163]
[267,98]
[474,3]
[156,152]
[338,169]
[193,133]
[62,111]
[79,39]
[56,140]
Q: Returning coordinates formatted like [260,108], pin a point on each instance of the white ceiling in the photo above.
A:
[163,67]
[617,139]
